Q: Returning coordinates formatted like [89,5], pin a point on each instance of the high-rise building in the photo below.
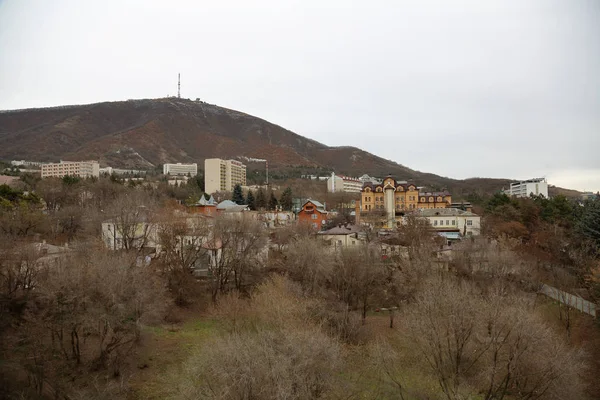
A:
[82,169]
[535,187]
[223,175]
[180,169]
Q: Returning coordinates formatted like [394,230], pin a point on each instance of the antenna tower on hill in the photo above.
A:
[179,85]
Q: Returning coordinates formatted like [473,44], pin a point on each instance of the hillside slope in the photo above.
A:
[142,133]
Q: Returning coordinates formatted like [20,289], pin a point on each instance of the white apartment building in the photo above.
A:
[180,169]
[369,179]
[340,183]
[464,223]
[82,169]
[535,187]
[24,163]
[223,175]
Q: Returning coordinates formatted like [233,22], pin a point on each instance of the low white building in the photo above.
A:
[118,236]
[340,183]
[342,236]
[536,187]
[452,221]
[180,169]
[178,181]
[25,163]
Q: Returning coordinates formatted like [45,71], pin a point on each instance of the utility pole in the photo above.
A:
[179,85]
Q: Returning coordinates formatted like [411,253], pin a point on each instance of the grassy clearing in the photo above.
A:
[163,353]
[166,349]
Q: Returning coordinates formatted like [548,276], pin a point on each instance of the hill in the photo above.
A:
[146,133]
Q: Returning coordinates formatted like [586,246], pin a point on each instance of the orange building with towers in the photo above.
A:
[394,198]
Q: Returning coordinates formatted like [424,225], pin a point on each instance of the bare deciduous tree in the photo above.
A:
[284,355]
[181,239]
[358,274]
[88,310]
[238,248]
[491,343]
[132,220]
[308,262]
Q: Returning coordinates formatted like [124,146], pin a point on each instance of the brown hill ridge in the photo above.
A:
[143,133]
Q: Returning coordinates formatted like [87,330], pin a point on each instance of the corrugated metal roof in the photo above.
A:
[450,235]
[446,212]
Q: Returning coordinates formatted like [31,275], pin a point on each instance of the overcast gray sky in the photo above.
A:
[458,88]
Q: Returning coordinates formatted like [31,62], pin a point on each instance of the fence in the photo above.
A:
[570,300]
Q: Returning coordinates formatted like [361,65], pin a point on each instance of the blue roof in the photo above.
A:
[450,235]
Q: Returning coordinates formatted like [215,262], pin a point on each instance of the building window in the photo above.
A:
[314,216]
[435,223]
[447,222]
[469,222]
[453,222]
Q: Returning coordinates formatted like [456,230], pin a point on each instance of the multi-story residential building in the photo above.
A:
[451,222]
[223,175]
[369,179]
[82,169]
[180,169]
[536,187]
[394,198]
[340,183]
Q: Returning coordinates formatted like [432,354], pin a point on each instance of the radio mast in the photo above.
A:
[179,85]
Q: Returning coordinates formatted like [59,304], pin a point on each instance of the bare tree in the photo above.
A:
[238,248]
[358,274]
[131,225]
[181,238]
[284,355]
[88,311]
[491,343]
[308,262]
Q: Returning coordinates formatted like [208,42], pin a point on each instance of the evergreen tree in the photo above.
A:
[286,199]
[261,199]
[250,200]
[589,224]
[238,195]
[273,202]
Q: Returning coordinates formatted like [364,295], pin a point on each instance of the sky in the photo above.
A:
[503,89]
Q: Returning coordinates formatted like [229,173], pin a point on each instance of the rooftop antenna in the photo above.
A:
[179,85]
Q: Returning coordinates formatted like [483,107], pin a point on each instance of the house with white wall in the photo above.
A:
[341,236]
[452,220]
